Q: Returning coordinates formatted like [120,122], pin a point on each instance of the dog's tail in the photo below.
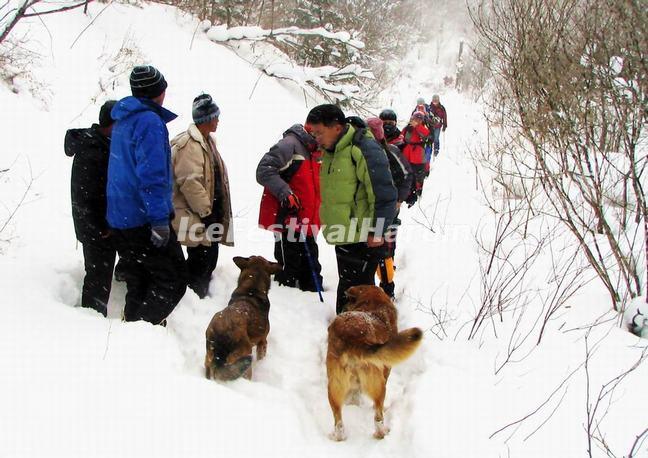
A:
[397,349]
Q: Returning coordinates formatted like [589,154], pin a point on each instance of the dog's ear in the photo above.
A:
[353,293]
[274,267]
[241,262]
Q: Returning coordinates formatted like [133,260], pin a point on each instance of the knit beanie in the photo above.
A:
[376,126]
[105,120]
[204,109]
[418,115]
[420,101]
[147,81]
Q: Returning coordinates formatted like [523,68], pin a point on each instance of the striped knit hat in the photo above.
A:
[204,109]
[147,81]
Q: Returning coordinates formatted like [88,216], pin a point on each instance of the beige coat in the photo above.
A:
[193,159]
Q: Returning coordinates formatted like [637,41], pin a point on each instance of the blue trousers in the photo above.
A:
[437,134]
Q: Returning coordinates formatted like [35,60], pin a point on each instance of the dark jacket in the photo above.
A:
[139,172]
[401,171]
[439,116]
[291,165]
[90,149]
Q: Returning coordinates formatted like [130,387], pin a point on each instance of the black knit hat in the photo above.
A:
[105,119]
[146,81]
[204,109]
[326,114]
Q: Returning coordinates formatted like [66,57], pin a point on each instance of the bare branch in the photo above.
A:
[637,443]
[58,10]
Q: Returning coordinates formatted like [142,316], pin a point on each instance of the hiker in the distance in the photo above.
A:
[439,117]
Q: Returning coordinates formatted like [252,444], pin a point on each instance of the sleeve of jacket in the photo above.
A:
[422,131]
[374,172]
[152,167]
[405,170]
[272,163]
[444,117]
[188,169]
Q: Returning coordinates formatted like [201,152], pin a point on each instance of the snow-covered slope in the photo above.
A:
[74,384]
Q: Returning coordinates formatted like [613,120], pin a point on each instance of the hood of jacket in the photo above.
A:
[304,137]
[77,140]
[128,106]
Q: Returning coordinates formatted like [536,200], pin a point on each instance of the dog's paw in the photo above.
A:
[339,434]
[381,430]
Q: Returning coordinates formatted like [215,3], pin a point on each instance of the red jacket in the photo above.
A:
[439,112]
[290,166]
[413,137]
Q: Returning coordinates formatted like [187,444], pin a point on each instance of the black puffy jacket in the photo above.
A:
[91,150]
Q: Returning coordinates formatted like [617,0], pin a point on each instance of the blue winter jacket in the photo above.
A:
[139,170]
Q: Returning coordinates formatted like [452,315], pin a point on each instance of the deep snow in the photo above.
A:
[75,384]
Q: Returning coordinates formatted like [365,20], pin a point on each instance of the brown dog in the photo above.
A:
[363,344]
[241,325]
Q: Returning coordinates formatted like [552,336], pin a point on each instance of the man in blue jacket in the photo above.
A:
[139,199]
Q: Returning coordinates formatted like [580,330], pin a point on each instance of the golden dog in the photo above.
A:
[363,344]
[241,325]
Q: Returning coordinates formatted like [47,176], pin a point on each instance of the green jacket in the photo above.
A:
[358,195]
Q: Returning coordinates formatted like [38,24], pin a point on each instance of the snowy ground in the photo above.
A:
[74,384]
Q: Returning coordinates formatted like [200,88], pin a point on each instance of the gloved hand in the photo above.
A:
[160,236]
[291,203]
[411,200]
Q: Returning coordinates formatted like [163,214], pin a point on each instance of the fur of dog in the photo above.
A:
[363,345]
[243,324]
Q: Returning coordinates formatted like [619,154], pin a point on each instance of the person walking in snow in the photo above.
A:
[439,118]
[358,196]
[403,178]
[139,199]
[90,149]
[414,136]
[289,173]
[201,195]
[424,108]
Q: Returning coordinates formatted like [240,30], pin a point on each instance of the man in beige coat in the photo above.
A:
[201,197]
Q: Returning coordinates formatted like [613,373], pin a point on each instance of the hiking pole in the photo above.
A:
[312,268]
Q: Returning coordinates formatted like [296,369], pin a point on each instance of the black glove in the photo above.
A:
[160,236]
[210,219]
[411,199]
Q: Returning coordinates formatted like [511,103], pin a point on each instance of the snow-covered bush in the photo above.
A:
[338,48]
[567,108]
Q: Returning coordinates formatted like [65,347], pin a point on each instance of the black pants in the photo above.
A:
[201,262]
[157,277]
[99,260]
[297,271]
[419,177]
[357,264]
